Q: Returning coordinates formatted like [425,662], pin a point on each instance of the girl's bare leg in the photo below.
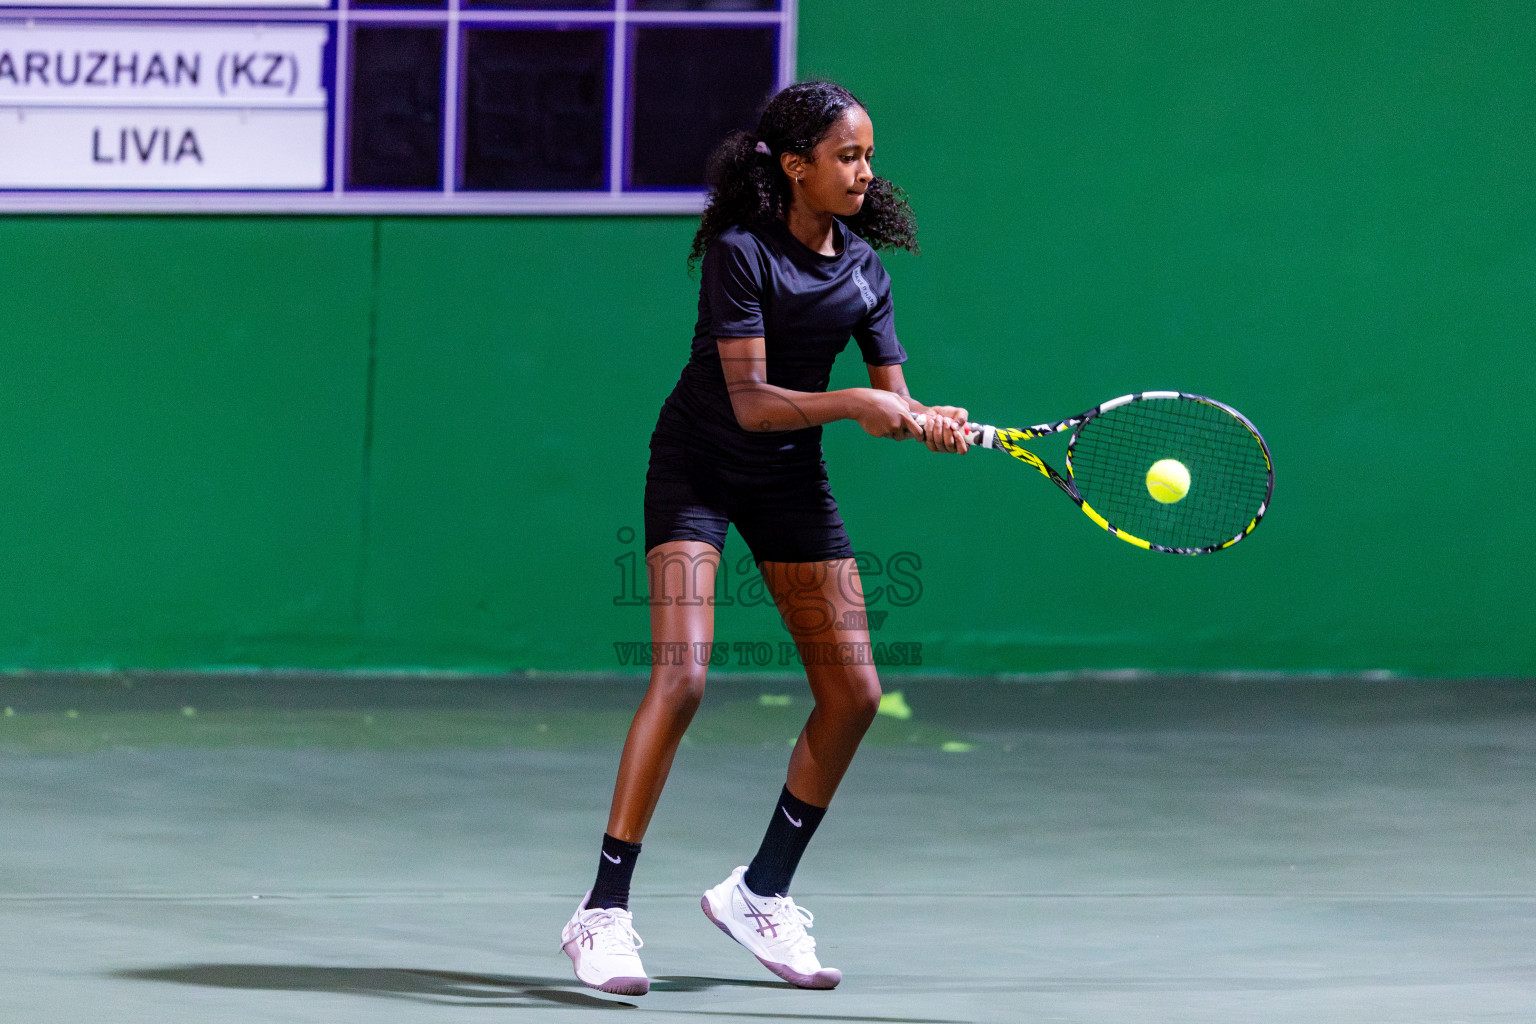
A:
[815,598]
[682,584]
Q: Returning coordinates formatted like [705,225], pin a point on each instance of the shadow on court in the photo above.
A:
[448,987]
[386,982]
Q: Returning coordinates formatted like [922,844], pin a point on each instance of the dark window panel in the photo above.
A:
[703,5]
[691,88]
[396,116]
[535,109]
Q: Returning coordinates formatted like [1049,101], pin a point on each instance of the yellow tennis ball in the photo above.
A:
[1168,481]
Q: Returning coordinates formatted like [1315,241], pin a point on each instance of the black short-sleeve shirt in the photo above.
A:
[761,281]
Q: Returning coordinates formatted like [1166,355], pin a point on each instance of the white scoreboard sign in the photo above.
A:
[172,107]
[336,106]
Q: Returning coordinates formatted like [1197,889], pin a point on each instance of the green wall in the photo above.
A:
[418,442]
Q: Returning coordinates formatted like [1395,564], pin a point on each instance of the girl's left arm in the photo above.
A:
[945,431]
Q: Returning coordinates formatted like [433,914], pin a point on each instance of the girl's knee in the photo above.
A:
[867,699]
[680,687]
[856,700]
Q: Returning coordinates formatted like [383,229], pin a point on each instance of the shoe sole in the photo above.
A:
[624,986]
[614,986]
[826,978]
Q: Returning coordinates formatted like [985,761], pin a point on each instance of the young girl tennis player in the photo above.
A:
[790,274]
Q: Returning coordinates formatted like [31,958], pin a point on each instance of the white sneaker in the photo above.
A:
[602,946]
[773,930]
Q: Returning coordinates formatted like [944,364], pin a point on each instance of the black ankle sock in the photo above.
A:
[614,870]
[794,822]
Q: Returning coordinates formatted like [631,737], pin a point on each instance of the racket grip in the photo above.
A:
[978,434]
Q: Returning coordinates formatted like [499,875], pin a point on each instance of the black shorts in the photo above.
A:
[785,512]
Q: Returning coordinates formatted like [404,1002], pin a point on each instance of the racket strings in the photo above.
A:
[1228,469]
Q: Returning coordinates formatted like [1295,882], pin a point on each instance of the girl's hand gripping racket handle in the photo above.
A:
[975,433]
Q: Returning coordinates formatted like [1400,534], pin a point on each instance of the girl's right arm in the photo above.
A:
[763,407]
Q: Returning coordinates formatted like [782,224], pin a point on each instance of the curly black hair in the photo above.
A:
[748,186]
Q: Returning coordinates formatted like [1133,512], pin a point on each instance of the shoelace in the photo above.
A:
[795,919]
[620,937]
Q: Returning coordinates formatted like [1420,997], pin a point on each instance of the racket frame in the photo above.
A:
[1008,439]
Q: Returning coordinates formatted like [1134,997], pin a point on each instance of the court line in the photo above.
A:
[458,896]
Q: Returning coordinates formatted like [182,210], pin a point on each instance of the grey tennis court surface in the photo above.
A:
[345,848]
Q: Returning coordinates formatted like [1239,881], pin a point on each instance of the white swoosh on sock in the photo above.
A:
[792,821]
[612,860]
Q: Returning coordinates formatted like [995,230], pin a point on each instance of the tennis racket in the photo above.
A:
[1113,447]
